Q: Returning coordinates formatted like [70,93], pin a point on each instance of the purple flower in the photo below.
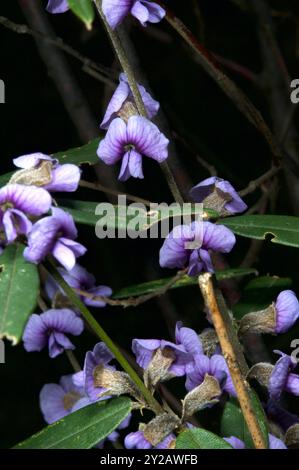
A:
[64,178]
[189,245]
[187,346]
[122,95]
[282,378]
[100,356]
[225,191]
[274,442]
[286,311]
[50,328]
[18,201]
[214,366]
[57,6]
[57,401]
[55,235]
[136,440]
[235,442]
[79,278]
[129,142]
[116,11]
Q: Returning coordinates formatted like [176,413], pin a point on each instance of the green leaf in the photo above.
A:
[82,429]
[112,218]
[84,10]
[260,293]
[233,423]
[200,439]
[84,154]
[152,286]
[19,288]
[4,179]
[282,229]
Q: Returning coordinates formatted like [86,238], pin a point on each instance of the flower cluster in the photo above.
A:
[129,135]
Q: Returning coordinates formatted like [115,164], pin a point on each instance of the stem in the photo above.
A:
[232,353]
[73,360]
[126,66]
[96,327]
[253,185]
[212,68]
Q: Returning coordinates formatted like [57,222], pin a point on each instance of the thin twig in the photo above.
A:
[232,353]
[211,66]
[126,66]
[133,301]
[253,185]
[114,192]
[92,68]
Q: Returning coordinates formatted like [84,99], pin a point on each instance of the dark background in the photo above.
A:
[34,119]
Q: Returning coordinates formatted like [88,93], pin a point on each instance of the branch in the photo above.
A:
[211,66]
[253,185]
[126,66]
[135,301]
[99,72]
[232,353]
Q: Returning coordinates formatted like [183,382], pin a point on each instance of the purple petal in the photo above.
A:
[120,95]
[65,178]
[275,443]
[152,106]
[279,376]
[292,384]
[116,10]
[140,12]
[131,166]
[28,199]
[235,442]
[57,6]
[287,311]
[51,403]
[136,440]
[64,255]
[173,252]
[31,160]
[111,148]
[41,239]
[189,339]
[15,223]
[66,223]
[35,337]
[147,138]
[203,189]
[63,321]
[144,350]
[156,13]
[98,291]
[201,368]
[218,238]
[57,343]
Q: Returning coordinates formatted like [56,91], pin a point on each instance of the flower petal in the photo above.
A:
[116,10]
[35,334]
[131,166]
[57,6]
[120,95]
[31,160]
[287,311]
[147,138]
[144,350]
[28,199]
[111,148]
[51,403]
[156,13]
[65,178]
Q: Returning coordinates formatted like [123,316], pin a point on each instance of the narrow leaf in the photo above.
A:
[282,229]
[82,429]
[84,10]
[200,439]
[19,287]
[152,286]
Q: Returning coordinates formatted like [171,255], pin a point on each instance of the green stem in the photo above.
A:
[126,66]
[96,327]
